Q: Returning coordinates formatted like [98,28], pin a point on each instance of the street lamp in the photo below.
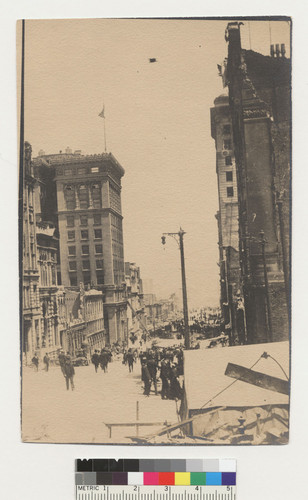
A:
[179,237]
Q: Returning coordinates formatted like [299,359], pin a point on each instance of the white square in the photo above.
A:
[135,478]
[227,465]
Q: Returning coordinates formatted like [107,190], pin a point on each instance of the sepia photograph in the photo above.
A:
[155,230]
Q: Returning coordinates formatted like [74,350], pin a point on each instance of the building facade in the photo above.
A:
[259,98]
[227,217]
[31,310]
[89,218]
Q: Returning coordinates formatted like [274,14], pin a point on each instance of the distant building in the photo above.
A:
[259,98]
[227,216]
[89,219]
[135,313]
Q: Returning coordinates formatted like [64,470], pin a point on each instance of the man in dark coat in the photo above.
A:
[152,367]
[130,360]
[46,360]
[146,378]
[95,360]
[69,372]
[35,361]
[61,358]
[104,360]
[164,375]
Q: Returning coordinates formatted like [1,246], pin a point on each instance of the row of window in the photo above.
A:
[70,220]
[81,171]
[85,250]
[87,278]
[84,234]
[85,264]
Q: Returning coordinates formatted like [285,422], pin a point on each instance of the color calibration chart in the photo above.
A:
[146,479]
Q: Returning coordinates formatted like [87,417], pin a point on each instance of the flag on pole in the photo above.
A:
[102,113]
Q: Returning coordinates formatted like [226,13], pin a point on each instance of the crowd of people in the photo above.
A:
[101,359]
[166,365]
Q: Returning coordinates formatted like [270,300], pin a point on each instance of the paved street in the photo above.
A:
[53,414]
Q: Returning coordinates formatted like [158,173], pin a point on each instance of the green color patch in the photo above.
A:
[197,478]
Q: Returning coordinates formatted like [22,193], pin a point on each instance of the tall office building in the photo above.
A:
[88,189]
[227,216]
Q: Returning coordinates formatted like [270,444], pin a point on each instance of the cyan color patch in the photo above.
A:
[213,478]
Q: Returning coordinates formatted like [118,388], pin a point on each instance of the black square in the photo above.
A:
[103,478]
[100,465]
[84,465]
[116,465]
[131,465]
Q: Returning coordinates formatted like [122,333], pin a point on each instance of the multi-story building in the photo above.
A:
[135,313]
[49,294]
[93,314]
[31,311]
[89,217]
[259,98]
[227,216]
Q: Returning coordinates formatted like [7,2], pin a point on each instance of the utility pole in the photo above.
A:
[268,305]
[179,237]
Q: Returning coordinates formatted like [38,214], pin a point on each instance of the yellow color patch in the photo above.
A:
[182,478]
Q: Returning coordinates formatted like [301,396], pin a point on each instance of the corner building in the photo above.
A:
[90,229]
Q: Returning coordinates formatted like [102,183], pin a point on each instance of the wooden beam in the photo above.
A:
[257,378]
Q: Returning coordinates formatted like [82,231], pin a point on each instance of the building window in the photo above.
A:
[83,220]
[85,264]
[227,129]
[97,219]
[69,193]
[97,233]
[82,170]
[94,170]
[87,278]
[72,250]
[99,264]
[70,235]
[228,160]
[230,192]
[72,265]
[70,221]
[229,176]
[98,249]
[85,249]
[73,279]
[96,195]
[84,234]
[100,277]
[68,171]
[227,143]
[83,196]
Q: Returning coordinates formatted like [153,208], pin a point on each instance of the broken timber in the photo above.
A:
[257,378]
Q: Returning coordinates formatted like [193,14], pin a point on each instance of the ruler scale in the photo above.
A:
[108,479]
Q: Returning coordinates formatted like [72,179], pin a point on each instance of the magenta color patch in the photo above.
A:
[150,478]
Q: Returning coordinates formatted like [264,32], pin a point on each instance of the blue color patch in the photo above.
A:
[228,478]
[213,478]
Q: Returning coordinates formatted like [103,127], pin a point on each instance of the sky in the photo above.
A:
[157,126]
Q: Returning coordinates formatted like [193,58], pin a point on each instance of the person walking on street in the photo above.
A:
[46,360]
[152,367]
[130,360]
[146,378]
[35,361]
[69,372]
[164,375]
[61,358]
[95,360]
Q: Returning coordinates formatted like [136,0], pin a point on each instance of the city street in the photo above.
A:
[53,414]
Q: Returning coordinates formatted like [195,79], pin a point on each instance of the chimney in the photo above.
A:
[283,50]
[277,50]
[272,51]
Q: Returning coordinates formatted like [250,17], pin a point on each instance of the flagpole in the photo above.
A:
[105,134]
